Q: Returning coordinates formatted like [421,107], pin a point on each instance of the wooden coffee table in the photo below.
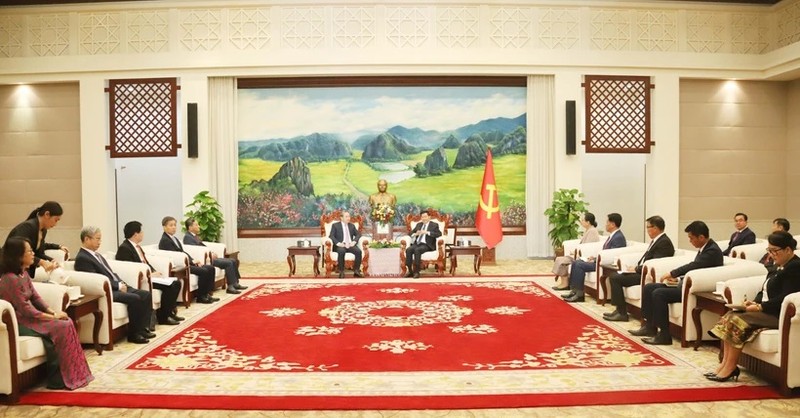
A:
[295,250]
[473,250]
[710,302]
[89,304]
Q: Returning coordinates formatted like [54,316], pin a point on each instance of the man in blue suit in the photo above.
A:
[345,240]
[577,274]
[743,234]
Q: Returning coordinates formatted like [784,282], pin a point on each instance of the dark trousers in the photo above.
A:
[656,298]
[231,271]
[205,278]
[414,256]
[169,299]
[341,251]
[140,308]
[577,275]
[619,281]
[229,266]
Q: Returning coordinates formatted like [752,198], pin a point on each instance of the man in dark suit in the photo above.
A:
[345,240]
[743,235]
[423,239]
[656,297]
[660,246]
[228,265]
[131,251]
[579,268]
[140,302]
[205,273]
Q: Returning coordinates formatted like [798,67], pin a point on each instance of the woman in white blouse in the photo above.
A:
[561,264]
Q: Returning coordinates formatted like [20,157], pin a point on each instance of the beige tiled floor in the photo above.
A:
[760,409]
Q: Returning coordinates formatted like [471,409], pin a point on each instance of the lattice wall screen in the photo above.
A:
[617,114]
[143,117]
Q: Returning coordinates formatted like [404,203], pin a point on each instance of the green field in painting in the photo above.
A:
[457,190]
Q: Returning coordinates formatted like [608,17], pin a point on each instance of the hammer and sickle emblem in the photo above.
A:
[488,207]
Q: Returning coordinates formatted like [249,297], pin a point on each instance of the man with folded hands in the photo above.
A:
[660,246]
[656,297]
[228,265]
[205,272]
[130,250]
[139,302]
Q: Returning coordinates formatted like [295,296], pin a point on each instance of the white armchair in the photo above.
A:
[203,254]
[115,314]
[22,359]
[705,280]
[753,252]
[436,256]
[596,284]
[329,256]
[770,354]
[178,267]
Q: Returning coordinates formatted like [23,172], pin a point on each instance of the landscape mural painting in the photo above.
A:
[308,151]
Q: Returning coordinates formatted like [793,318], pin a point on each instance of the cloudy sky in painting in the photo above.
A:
[353,111]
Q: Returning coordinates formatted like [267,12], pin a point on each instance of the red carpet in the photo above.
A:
[333,336]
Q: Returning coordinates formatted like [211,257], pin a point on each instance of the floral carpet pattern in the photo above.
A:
[306,344]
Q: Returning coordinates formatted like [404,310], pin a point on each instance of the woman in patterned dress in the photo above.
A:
[66,363]
[736,329]
[562,263]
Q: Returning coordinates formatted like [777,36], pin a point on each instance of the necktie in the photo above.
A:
[422,236]
[641,260]
[346,231]
[178,243]
[107,267]
[605,246]
[143,257]
[735,236]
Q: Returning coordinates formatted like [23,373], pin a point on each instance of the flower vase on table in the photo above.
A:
[382,216]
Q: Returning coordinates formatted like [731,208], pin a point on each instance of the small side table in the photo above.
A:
[473,250]
[295,250]
[89,304]
[710,302]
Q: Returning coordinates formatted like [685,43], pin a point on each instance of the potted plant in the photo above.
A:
[563,215]
[206,211]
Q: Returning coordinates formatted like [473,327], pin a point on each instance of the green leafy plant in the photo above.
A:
[563,215]
[380,244]
[206,211]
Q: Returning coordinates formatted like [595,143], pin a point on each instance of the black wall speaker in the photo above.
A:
[191,129]
[571,150]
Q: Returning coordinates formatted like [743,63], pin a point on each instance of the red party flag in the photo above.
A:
[487,219]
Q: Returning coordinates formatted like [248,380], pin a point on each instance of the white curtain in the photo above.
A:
[540,171]
[222,136]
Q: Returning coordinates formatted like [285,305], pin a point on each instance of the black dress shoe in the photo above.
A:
[568,295]
[357,274]
[575,298]
[238,286]
[416,275]
[138,339]
[616,317]
[644,331]
[341,275]
[168,321]
[231,291]
[148,334]
[659,339]
[177,318]
[409,274]
[204,299]
[213,299]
